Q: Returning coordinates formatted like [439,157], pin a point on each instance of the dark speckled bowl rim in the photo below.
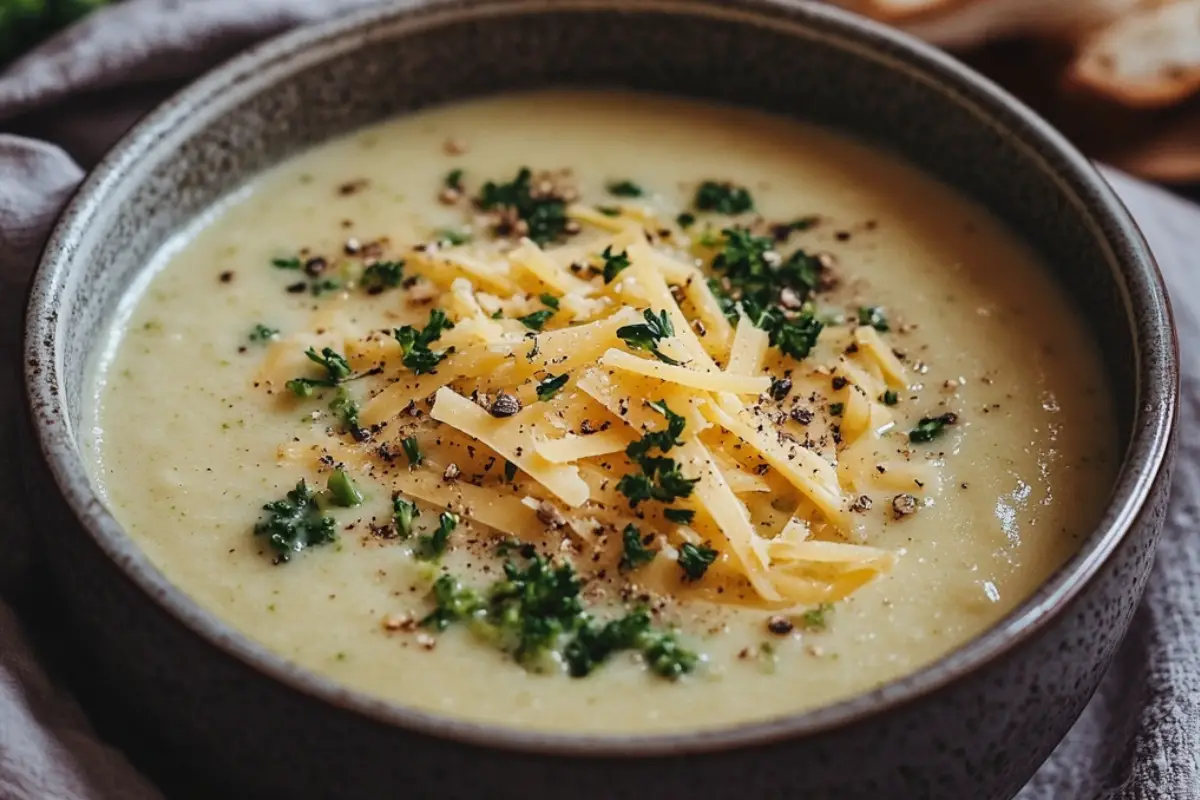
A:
[1145,298]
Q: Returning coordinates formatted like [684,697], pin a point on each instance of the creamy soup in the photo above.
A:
[707,417]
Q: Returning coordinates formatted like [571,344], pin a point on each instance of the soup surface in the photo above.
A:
[874,432]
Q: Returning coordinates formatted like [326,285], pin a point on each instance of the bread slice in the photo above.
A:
[1149,58]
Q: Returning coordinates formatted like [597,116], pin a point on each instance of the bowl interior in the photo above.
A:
[800,60]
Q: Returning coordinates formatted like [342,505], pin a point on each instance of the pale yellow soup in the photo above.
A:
[186,445]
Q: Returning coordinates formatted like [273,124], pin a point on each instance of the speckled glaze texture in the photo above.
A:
[975,725]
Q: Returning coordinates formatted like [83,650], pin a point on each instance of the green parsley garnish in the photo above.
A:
[837,409]
[412,449]
[337,369]
[510,471]
[545,217]
[344,406]
[551,386]
[624,189]
[636,553]
[794,335]
[415,344]
[595,644]
[664,439]
[383,275]
[525,612]
[537,320]
[614,263]
[686,219]
[890,397]
[291,262]
[647,336]
[453,180]
[609,211]
[261,333]
[549,301]
[430,548]
[754,275]
[324,285]
[783,229]
[531,611]
[873,316]
[817,619]
[453,602]
[452,237]
[695,560]
[342,490]
[929,428]
[294,523]
[681,516]
[660,479]
[723,198]
[403,514]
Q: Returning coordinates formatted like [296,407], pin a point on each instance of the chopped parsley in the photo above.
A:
[525,612]
[544,216]
[383,275]
[664,439]
[345,407]
[695,560]
[294,523]
[325,285]
[510,471]
[837,409]
[785,229]
[873,316]
[795,335]
[415,344]
[660,479]
[929,428]
[609,211]
[412,450]
[536,610]
[261,333]
[342,490]
[537,320]
[403,514]
[817,619]
[594,644]
[636,553]
[337,369]
[625,188]
[723,198]
[686,219]
[548,387]
[291,262]
[452,237]
[647,336]
[431,547]
[680,516]
[890,397]
[549,301]
[453,180]
[453,602]
[614,263]
[756,272]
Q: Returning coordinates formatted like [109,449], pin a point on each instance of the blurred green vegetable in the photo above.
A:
[25,23]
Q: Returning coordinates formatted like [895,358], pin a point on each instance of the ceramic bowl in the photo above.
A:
[975,724]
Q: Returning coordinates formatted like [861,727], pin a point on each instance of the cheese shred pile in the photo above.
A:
[525,423]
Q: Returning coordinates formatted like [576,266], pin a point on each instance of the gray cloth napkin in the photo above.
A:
[1139,738]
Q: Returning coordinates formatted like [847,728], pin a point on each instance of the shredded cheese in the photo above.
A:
[528,430]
